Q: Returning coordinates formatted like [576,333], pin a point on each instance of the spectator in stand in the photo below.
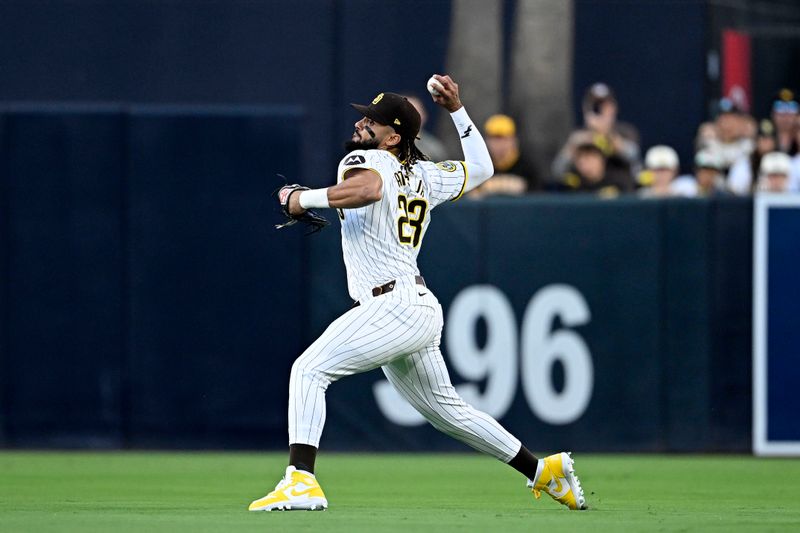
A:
[427,142]
[618,141]
[731,137]
[773,174]
[785,112]
[794,172]
[708,177]
[590,173]
[743,173]
[706,133]
[513,173]
[661,170]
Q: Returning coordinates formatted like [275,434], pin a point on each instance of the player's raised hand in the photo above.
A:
[445,92]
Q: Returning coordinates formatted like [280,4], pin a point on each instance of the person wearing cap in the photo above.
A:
[732,136]
[743,173]
[513,174]
[619,141]
[590,173]
[708,179]
[773,174]
[661,168]
[785,113]
[588,170]
[385,193]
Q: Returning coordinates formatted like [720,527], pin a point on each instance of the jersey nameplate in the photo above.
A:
[401,178]
[402,181]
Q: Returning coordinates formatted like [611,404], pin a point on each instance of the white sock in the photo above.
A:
[539,468]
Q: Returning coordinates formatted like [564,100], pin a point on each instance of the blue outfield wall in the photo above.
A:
[147,300]
[782,337]
[140,275]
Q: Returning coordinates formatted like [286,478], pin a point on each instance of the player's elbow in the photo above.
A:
[488,168]
[482,166]
[483,170]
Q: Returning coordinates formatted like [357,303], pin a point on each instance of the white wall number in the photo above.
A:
[541,348]
[496,362]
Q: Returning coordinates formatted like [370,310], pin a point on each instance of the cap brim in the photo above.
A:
[369,113]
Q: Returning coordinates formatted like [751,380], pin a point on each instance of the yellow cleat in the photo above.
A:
[558,479]
[297,491]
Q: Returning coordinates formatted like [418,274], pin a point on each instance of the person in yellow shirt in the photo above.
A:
[513,173]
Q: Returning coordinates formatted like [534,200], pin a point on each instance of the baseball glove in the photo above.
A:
[311,219]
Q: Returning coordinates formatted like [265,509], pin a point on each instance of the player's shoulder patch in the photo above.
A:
[362,159]
[447,166]
[354,159]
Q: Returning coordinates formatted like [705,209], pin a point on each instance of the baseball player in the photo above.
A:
[385,192]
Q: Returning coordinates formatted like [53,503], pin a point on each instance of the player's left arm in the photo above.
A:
[361,186]
[477,160]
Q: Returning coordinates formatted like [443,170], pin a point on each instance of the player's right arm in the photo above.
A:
[477,160]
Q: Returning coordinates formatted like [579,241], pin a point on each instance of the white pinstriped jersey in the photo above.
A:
[381,241]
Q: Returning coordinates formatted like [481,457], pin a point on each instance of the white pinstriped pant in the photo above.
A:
[399,331]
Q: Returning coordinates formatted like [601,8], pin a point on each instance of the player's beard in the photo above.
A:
[371,144]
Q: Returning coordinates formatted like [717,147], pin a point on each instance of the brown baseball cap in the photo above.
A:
[391,109]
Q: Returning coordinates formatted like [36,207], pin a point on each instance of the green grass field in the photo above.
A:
[155,492]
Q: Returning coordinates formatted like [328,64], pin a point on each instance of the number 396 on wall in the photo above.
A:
[508,355]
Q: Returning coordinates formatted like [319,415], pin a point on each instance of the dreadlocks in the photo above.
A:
[410,154]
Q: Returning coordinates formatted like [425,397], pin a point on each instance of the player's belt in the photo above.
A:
[389,287]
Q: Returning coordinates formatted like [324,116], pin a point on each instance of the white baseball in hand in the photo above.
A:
[435,87]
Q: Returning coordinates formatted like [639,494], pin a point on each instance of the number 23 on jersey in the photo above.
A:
[411,219]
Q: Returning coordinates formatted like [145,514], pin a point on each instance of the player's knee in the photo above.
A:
[448,426]
[444,416]
[304,369]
